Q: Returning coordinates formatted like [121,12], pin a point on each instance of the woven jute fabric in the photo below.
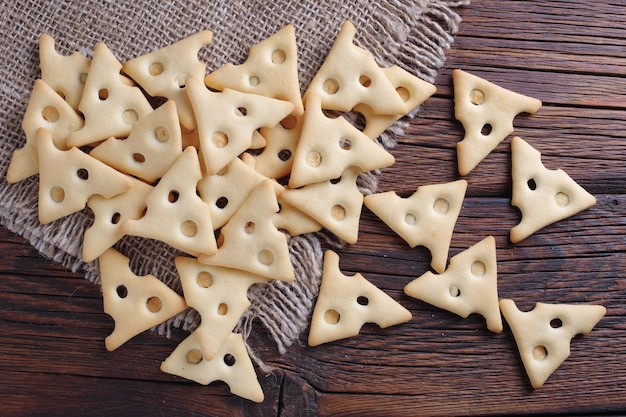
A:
[413,34]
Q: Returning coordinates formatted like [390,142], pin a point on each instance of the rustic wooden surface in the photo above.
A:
[569,54]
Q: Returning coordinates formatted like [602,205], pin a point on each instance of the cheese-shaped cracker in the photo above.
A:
[136,303]
[328,146]
[270,70]
[425,218]
[467,286]
[226,191]
[486,111]
[68,178]
[219,295]
[543,196]
[47,110]
[410,88]
[64,74]
[111,103]
[336,204]
[175,213]
[231,365]
[251,242]
[351,76]
[109,215]
[276,159]
[543,335]
[227,120]
[164,72]
[346,303]
[295,221]
[151,148]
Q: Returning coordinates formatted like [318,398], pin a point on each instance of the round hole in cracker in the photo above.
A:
[130,116]
[477,97]
[338,212]
[161,134]
[454,291]
[83,174]
[362,300]
[103,94]
[540,353]
[154,304]
[289,122]
[219,140]
[115,218]
[441,206]
[410,219]
[562,199]
[284,155]
[249,227]
[330,86]
[365,80]
[279,56]
[57,194]
[189,228]
[345,144]
[173,196]
[332,316]
[404,93]
[556,323]
[254,80]
[241,111]
[50,114]
[229,359]
[221,202]
[478,268]
[266,257]
[82,77]
[486,129]
[121,291]
[156,68]
[222,309]
[193,356]
[139,157]
[181,80]
[204,279]
[532,184]
[314,159]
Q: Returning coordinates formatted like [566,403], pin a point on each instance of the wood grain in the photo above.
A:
[569,54]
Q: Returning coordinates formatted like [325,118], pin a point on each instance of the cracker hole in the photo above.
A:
[103,94]
[556,323]
[193,356]
[204,279]
[404,93]
[82,77]
[222,309]
[173,196]
[410,219]
[477,97]
[266,257]
[540,353]
[331,316]
[229,359]
[478,268]
[249,227]
[486,129]
[345,144]
[83,174]
[532,184]
[50,114]
[289,122]
[335,180]
[330,86]
[284,155]
[314,159]
[241,111]
[57,194]
[279,56]
[254,80]
[121,291]
[115,218]
[189,228]
[221,202]
[154,304]
[156,69]
[162,134]
[139,158]
[362,300]
[561,199]
[130,116]
[454,291]
[365,80]
[219,140]
[181,80]
[338,212]
[441,206]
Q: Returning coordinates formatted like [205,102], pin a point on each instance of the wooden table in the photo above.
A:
[569,54]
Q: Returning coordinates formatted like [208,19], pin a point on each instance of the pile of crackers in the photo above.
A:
[225,165]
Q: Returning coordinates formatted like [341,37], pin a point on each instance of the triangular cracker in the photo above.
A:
[351,76]
[543,196]
[410,88]
[136,303]
[486,111]
[47,110]
[294,220]
[270,70]
[164,72]
[227,120]
[110,102]
[276,159]
[346,303]
[68,178]
[425,218]
[469,285]
[251,242]
[151,148]
[175,213]
[64,74]
[231,365]
[328,146]
[219,295]
[109,215]
[543,335]
[335,204]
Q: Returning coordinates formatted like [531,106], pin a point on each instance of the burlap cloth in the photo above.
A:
[413,34]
